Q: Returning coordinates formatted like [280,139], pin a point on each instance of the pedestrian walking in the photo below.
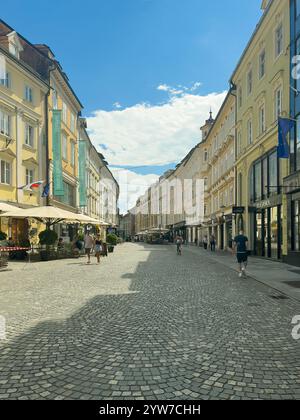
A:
[88,245]
[240,247]
[205,242]
[98,248]
[179,242]
[213,243]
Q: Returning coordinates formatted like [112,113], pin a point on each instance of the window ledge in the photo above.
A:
[29,148]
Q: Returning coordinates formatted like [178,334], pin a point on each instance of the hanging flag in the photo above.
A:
[32,186]
[46,191]
[285,125]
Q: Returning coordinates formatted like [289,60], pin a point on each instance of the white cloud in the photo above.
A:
[153,135]
[117,105]
[164,88]
[132,186]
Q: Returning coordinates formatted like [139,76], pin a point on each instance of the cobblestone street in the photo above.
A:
[146,324]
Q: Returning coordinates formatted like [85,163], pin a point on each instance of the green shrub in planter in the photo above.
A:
[48,237]
[112,239]
[3,236]
[110,248]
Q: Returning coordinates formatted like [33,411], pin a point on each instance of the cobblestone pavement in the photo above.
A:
[146,324]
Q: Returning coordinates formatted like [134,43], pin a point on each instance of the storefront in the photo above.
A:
[267,228]
[292,190]
[265,211]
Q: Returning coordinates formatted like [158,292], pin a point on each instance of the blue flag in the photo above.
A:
[46,191]
[285,125]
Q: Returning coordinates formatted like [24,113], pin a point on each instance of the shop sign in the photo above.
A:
[238,210]
[264,204]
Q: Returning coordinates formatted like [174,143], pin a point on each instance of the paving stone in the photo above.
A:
[144,325]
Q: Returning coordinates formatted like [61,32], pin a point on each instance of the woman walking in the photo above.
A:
[98,248]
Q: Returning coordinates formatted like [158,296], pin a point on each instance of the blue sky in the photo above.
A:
[147,71]
[120,50]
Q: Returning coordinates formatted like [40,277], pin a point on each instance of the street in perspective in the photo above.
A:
[150,204]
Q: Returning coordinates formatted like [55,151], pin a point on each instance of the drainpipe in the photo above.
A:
[47,133]
[233,93]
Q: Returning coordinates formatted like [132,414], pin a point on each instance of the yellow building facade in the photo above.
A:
[262,86]
[23,93]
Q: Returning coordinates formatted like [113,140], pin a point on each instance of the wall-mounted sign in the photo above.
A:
[238,210]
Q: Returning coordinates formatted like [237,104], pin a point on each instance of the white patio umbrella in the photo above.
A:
[4,207]
[48,214]
[82,218]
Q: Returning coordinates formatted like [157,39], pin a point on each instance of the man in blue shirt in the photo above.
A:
[240,246]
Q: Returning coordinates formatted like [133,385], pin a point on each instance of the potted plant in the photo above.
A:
[3,236]
[112,241]
[47,238]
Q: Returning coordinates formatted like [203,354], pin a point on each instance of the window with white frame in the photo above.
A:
[5,80]
[250,82]
[262,64]
[279,40]
[249,131]
[28,94]
[278,102]
[5,125]
[64,147]
[262,119]
[5,172]
[29,135]
[29,176]
[65,113]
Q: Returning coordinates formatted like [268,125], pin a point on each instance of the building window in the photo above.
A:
[65,113]
[5,80]
[262,121]
[54,99]
[240,97]
[5,172]
[296,225]
[205,155]
[257,182]
[278,103]
[265,177]
[250,82]
[273,174]
[14,50]
[72,123]
[262,64]
[73,153]
[69,196]
[239,143]
[249,132]
[29,135]
[240,189]
[29,176]
[279,40]
[28,94]
[5,123]
[297,8]
[64,147]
